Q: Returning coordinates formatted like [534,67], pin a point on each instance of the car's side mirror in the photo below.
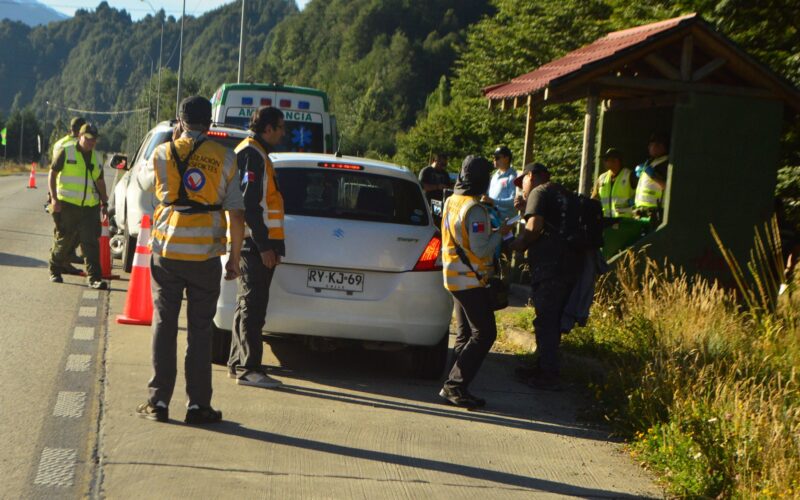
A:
[119,162]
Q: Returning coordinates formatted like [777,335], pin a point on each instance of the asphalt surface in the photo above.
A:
[48,377]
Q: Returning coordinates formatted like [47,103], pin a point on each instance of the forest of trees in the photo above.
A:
[404,77]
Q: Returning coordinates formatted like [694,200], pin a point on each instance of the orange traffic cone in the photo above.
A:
[32,178]
[139,302]
[105,251]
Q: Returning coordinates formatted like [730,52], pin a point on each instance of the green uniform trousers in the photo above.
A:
[81,225]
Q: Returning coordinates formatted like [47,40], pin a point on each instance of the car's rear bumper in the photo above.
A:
[415,311]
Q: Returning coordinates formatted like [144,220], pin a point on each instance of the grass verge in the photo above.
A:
[706,394]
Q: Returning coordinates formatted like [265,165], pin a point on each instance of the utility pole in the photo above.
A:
[149,91]
[21,133]
[160,52]
[180,60]
[241,48]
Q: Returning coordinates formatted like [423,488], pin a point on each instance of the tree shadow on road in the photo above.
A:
[527,483]
[348,374]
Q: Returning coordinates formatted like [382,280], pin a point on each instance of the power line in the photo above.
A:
[91,112]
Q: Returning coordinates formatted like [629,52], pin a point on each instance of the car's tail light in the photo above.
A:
[428,260]
[214,133]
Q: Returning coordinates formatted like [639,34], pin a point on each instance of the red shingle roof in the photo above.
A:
[597,51]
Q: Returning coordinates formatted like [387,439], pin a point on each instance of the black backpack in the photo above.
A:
[581,221]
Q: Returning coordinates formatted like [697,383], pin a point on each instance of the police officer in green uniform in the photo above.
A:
[71,138]
[616,187]
[78,194]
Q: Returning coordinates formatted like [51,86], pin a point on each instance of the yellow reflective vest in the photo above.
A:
[59,145]
[457,275]
[184,232]
[649,193]
[272,203]
[617,195]
[76,182]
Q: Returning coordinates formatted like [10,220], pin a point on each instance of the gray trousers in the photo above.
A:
[201,280]
[247,346]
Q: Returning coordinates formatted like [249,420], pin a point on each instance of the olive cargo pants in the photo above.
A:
[81,225]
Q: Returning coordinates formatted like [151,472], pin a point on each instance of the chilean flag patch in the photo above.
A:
[478,227]
[249,177]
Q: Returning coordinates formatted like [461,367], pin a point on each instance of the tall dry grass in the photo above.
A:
[706,388]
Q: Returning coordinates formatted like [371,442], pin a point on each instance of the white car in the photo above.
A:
[362,261]
[130,202]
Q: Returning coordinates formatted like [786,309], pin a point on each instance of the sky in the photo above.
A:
[139,8]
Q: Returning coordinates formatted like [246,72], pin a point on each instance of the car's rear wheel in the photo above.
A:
[117,246]
[429,361]
[220,345]
[128,250]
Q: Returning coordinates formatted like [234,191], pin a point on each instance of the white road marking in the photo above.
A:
[78,362]
[87,312]
[56,467]
[91,294]
[70,404]
[83,333]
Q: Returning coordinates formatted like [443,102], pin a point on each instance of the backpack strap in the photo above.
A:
[183,196]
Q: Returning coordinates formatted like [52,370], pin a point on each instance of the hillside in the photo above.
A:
[29,12]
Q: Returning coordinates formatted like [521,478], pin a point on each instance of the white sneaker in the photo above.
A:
[258,379]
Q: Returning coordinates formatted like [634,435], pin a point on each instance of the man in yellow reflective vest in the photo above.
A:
[468,247]
[78,197]
[196,184]
[653,180]
[263,246]
[72,137]
[616,187]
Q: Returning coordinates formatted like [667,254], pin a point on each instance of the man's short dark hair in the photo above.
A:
[263,116]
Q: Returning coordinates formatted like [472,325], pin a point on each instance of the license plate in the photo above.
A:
[335,280]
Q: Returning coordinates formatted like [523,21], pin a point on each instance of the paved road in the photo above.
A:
[352,425]
[48,378]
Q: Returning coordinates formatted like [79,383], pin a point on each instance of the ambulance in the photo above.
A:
[310,128]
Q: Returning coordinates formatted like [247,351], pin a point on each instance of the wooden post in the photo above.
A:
[589,134]
[527,152]
[686,58]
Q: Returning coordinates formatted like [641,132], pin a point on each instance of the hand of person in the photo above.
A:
[103,211]
[519,203]
[486,200]
[505,229]
[232,270]
[56,205]
[270,258]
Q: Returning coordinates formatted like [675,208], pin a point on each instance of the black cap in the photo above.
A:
[89,130]
[502,151]
[195,109]
[474,177]
[534,168]
[612,153]
[76,123]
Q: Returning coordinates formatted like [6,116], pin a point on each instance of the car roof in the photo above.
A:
[370,165]
[234,131]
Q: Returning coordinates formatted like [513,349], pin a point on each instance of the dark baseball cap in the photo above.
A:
[76,123]
[502,151]
[612,153]
[534,168]
[195,109]
[89,130]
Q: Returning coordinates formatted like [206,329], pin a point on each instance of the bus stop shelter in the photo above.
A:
[721,108]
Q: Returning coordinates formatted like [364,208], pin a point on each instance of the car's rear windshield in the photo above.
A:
[163,136]
[352,195]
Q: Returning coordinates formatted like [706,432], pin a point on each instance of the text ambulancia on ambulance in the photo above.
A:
[309,126]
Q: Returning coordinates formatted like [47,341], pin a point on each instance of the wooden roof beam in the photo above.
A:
[672,86]
[686,58]
[663,66]
[708,68]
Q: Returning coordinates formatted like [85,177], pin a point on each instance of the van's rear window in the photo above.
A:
[351,195]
